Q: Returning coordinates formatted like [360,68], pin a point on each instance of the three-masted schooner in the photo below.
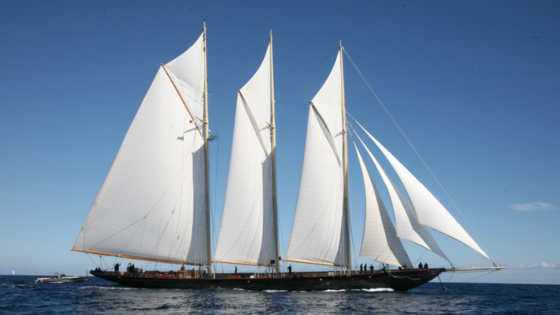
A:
[154,202]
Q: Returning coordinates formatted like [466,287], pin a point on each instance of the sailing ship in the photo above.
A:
[154,204]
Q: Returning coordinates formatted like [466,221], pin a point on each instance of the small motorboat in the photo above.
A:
[58,278]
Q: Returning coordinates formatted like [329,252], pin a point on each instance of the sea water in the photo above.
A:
[20,295]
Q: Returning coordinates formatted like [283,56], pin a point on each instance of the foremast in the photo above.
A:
[345,207]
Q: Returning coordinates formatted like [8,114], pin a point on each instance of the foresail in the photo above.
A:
[430,212]
[246,232]
[380,241]
[318,230]
[152,203]
[405,218]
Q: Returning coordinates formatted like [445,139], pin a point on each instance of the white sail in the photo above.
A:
[318,231]
[430,212]
[247,232]
[152,203]
[406,220]
[405,217]
[380,241]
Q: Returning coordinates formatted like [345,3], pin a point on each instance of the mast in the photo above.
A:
[206,160]
[273,153]
[345,208]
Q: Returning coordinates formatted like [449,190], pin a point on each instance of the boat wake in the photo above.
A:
[378,290]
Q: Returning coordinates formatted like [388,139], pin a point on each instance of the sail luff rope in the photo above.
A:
[417,153]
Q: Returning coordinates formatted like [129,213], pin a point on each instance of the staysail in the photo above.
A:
[406,220]
[247,228]
[430,212]
[319,231]
[151,205]
[380,241]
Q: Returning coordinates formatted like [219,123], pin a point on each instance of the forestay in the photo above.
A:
[151,205]
[247,228]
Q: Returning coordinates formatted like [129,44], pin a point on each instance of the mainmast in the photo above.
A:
[345,207]
[206,160]
[273,153]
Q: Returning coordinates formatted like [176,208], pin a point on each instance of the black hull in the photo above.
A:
[398,280]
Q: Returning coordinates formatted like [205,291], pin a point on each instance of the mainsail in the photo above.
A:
[152,205]
[319,229]
[247,228]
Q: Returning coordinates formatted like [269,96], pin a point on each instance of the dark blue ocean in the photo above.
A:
[20,295]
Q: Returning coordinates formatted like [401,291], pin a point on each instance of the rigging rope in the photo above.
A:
[442,287]
[307,73]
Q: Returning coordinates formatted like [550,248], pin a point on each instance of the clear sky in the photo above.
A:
[475,85]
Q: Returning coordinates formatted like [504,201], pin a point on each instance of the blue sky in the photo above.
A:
[473,84]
